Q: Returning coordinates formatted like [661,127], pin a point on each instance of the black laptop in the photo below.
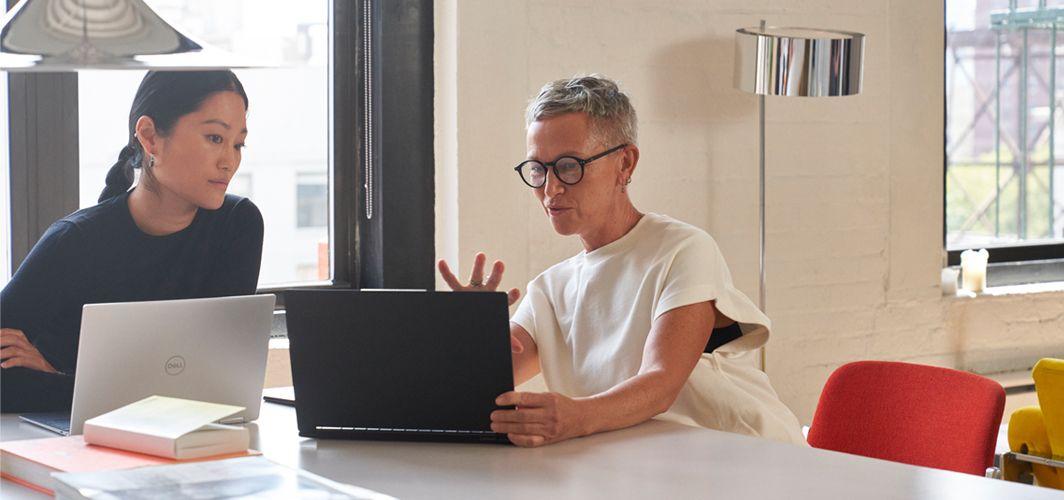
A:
[398,365]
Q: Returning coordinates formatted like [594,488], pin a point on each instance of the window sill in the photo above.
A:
[1029,288]
[1012,278]
[278,364]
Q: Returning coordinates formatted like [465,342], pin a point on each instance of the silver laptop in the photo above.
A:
[210,349]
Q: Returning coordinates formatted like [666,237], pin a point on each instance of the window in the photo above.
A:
[375,100]
[1004,91]
[240,185]
[312,200]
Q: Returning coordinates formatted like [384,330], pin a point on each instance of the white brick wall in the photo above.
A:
[854,184]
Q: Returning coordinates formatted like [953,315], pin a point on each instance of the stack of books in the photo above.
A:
[153,431]
[162,448]
[31,462]
[169,428]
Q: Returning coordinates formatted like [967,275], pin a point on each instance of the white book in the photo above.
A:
[234,478]
[174,428]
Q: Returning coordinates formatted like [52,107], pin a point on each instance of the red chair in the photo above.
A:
[914,414]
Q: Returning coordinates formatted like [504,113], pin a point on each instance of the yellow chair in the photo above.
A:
[1036,433]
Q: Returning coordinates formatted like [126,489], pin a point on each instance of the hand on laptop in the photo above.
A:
[18,351]
[477,282]
[540,418]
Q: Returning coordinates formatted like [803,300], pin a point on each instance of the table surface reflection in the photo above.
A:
[652,460]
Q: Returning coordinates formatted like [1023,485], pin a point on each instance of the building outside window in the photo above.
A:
[1004,137]
[287,118]
[312,200]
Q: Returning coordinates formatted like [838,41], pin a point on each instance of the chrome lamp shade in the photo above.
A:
[798,61]
[66,35]
[793,62]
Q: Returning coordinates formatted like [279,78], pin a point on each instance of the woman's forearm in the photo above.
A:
[631,402]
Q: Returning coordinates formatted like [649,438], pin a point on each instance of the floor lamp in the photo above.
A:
[793,62]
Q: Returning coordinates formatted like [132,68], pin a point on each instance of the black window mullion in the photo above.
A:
[406,168]
[383,119]
[347,132]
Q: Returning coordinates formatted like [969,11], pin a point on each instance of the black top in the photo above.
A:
[99,255]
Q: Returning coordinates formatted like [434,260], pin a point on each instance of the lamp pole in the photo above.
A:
[761,243]
[761,239]
[793,62]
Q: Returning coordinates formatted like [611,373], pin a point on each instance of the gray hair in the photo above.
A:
[613,120]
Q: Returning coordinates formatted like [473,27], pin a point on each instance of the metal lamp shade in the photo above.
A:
[65,35]
[798,61]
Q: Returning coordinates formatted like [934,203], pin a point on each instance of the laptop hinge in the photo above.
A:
[232,420]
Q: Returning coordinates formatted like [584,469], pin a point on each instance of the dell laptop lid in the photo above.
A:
[398,365]
[210,349]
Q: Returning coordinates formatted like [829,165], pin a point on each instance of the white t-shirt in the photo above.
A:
[590,317]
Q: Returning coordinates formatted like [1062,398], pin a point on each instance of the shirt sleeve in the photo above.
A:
[525,316]
[39,294]
[691,274]
[698,273]
[240,255]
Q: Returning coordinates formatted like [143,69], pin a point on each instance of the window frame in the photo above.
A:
[392,126]
[1009,264]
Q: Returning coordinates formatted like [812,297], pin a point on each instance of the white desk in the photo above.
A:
[652,460]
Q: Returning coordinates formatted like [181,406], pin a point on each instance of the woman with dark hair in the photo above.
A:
[174,235]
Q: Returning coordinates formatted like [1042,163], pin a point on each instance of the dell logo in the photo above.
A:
[175,365]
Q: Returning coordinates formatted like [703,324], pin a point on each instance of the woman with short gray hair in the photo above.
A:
[645,322]
[601,99]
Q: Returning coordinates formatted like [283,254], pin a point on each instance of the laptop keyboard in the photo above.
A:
[385,429]
[58,422]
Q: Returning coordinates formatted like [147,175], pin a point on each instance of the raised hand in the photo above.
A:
[477,282]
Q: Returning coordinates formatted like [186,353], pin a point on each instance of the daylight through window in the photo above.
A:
[1003,134]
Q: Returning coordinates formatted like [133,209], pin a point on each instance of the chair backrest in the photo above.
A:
[914,414]
[1048,378]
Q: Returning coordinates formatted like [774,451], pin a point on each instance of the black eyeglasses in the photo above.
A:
[568,169]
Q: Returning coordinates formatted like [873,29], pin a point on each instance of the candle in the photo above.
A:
[973,269]
[949,280]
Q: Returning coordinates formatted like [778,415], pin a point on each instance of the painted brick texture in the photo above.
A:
[854,188]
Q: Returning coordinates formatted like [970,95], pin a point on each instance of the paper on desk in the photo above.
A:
[164,416]
[236,478]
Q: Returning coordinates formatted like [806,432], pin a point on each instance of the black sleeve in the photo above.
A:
[30,391]
[723,335]
[34,301]
[39,295]
[241,252]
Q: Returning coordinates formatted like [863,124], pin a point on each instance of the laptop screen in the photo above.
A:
[209,349]
[411,362]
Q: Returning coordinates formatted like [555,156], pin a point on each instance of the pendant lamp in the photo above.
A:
[67,35]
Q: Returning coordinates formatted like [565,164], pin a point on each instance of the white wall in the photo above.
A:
[854,184]
[5,190]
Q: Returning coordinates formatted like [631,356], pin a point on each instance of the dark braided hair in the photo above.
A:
[165,97]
